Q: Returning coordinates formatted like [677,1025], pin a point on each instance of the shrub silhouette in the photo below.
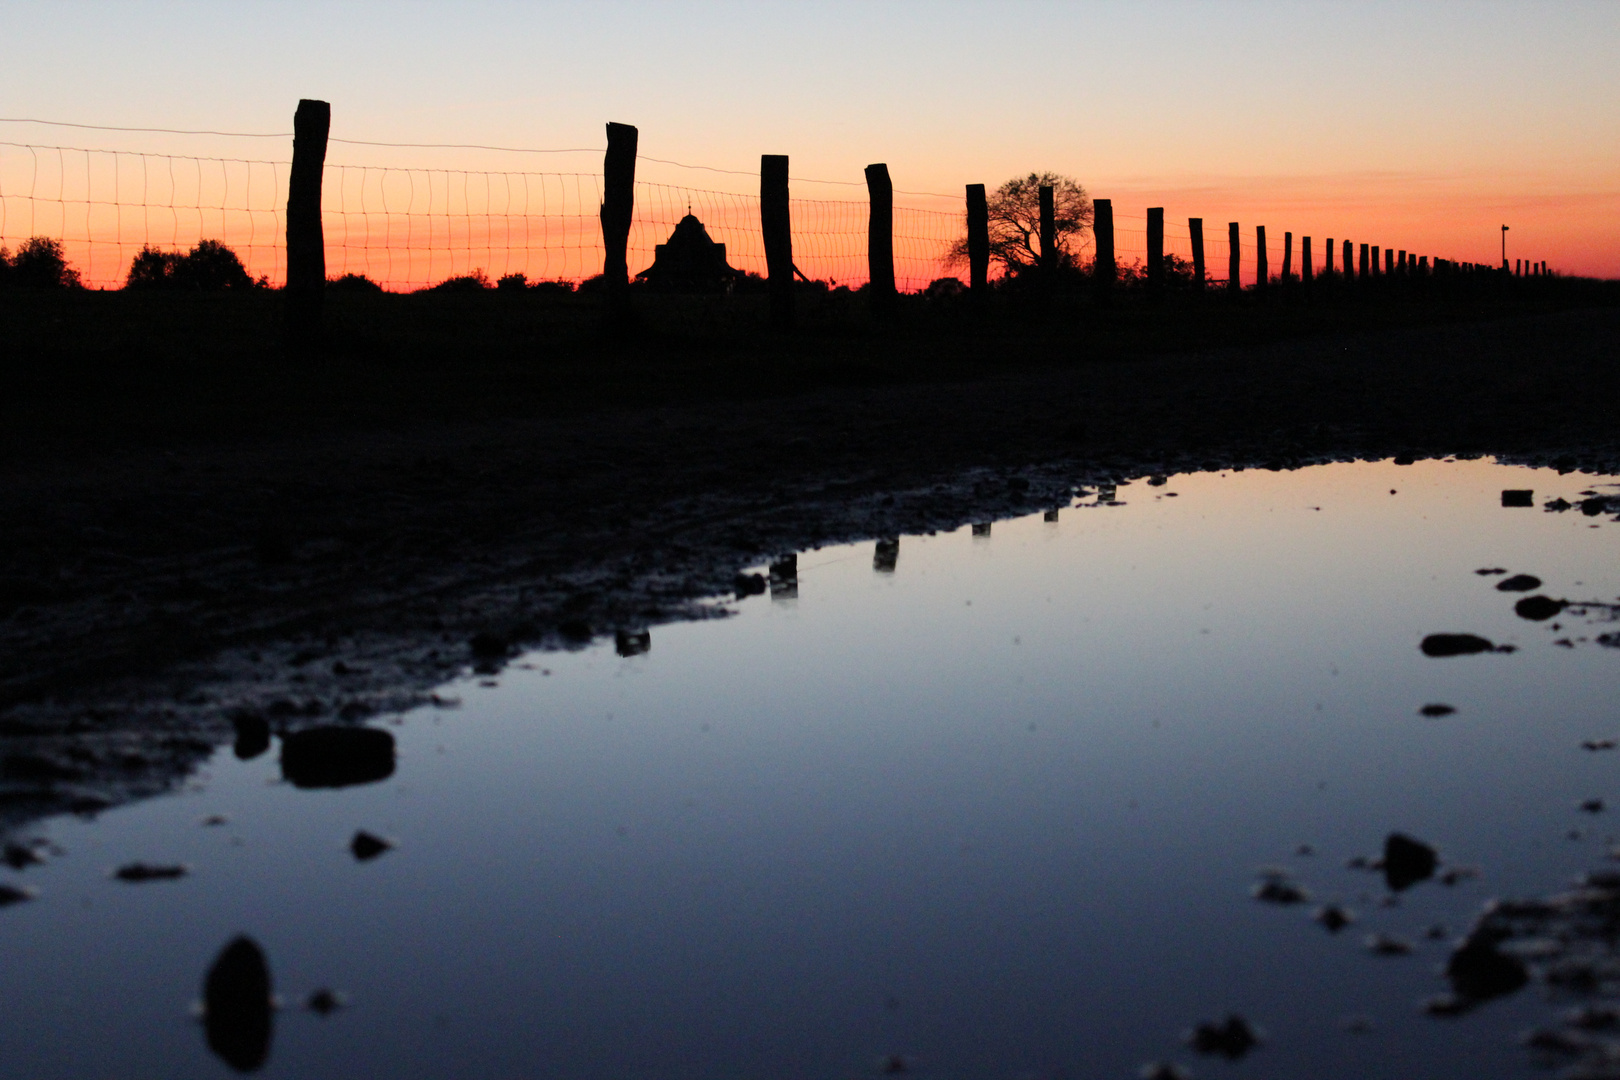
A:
[208,267]
[38,264]
[477,281]
[353,283]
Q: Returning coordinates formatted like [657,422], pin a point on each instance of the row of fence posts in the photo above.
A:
[306,249]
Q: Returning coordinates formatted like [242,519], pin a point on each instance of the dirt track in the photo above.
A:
[147,596]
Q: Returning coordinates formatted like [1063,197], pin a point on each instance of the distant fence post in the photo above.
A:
[1155,253]
[1048,256]
[1349,262]
[1288,258]
[777,225]
[880,238]
[1234,265]
[1327,258]
[306,243]
[978,230]
[1262,265]
[1374,260]
[1195,229]
[1305,268]
[1364,273]
[618,207]
[1103,268]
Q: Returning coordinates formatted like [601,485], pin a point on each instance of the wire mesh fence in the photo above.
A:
[410,227]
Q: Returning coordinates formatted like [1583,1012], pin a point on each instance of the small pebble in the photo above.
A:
[137,872]
[366,847]
[1385,945]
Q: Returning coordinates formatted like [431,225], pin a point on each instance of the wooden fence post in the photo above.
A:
[1363,272]
[777,225]
[1389,262]
[305,294]
[880,238]
[1155,252]
[1373,271]
[1048,256]
[978,230]
[618,207]
[1349,261]
[1104,268]
[1234,265]
[1195,228]
[1305,268]
[1327,258]
[1288,258]
[1262,265]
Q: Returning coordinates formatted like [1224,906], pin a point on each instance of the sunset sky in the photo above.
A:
[1419,126]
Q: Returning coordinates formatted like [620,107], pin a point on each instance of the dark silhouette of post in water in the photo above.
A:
[306,243]
[978,230]
[1288,258]
[1049,256]
[1349,261]
[1155,242]
[1305,268]
[1363,273]
[1262,267]
[1195,229]
[1234,266]
[618,206]
[778,228]
[880,239]
[1104,269]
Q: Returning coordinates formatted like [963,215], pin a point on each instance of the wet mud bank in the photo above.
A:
[161,599]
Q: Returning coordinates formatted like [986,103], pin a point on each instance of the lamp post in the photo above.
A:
[1504,247]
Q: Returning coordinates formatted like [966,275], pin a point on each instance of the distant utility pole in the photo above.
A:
[1504,247]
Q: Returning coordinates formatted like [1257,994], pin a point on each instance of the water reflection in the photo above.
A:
[886,555]
[785,578]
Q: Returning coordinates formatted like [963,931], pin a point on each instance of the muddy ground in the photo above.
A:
[158,594]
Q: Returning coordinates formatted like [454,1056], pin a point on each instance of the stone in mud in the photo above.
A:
[252,734]
[1538,608]
[366,846]
[748,585]
[1275,890]
[20,856]
[981,528]
[237,1006]
[1455,645]
[1519,497]
[1437,708]
[886,556]
[1333,917]
[1592,806]
[15,894]
[487,645]
[1519,583]
[1407,861]
[138,872]
[1479,971]
[1232,1039]
[1488,571]
[1597,744]
[324,1002]
[1387,945]
[1557,506]
[632,642]
[333,757]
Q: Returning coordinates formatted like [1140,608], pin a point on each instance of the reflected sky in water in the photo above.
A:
[996,810]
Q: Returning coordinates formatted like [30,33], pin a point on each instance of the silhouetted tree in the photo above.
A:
[208,267]
[38,264]
[1015,221]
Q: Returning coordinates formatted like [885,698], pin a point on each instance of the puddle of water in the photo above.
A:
[991,801]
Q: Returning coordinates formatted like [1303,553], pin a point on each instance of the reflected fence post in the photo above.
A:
[777,225]
[305,296]
[978,237]
[880,239]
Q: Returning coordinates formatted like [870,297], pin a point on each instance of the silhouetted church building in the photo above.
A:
[690,260]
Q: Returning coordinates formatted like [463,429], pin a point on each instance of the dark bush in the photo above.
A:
[38,264]
[513,282]
[208,267]
[477,281]
[353,283]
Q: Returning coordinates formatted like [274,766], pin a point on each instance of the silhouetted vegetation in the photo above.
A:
[353,283]
[1015,222]
[37,264]
[208,267]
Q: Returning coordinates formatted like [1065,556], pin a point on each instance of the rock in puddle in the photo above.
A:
[237,1005]
[16,894]
[1518,583]
[333,757]
[1334,917]
[1230,1039]
[1456,645]
[1538,608]
[138,872]
[1407,861]
[366,846]
[1437,708]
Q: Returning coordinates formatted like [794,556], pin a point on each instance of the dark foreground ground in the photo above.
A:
[200,530]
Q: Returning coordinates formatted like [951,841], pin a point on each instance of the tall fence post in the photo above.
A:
[978,230]
[1305,268]
[1375,265]
[1195,229]
[1234,265]
[306,243]
[1288,258]
[1048,256]
[1155,252]
[880,238]
[777,226]
[1262,264]
[1103,268]
[1364,272]
[618,207]
[1349,261]
[1327,258]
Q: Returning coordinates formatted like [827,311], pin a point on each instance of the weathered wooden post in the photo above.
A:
[1262,265]
[1389,262]
[1104,269]
[305,294]
[1363,272]
[1288,258]
[777,225]
[1305,268]
[1234,267]
[1349,261]
[880,239]
[618,207]
[1327,258]
[978,230]
[1372,267]
[1400,264]
[1155,252]
[1048,255]
[1195,229]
